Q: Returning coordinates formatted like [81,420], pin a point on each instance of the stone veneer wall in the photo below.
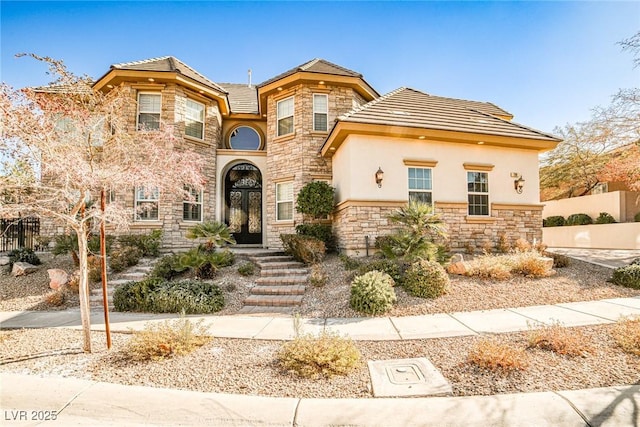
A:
[352,223]
[170,210]
[296,157]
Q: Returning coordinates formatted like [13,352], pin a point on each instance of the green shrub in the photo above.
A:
[167,339]
[247,269]
[216,233]
[23,255]
[149,244]
[579,219]
[404,244]
[393,268]
[627,276]
[120,259]
[319,231]
[636,217]
[315,199]
[168,267]
[159,296]
[325,356]
[605,218]
[553,221]
[372,293]
[350,263]
[306,249]
[426,279]
[68,244]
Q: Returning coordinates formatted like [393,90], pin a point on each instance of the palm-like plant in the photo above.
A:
[419,219]
[215,232]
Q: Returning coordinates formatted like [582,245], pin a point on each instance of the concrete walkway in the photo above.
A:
[610,258]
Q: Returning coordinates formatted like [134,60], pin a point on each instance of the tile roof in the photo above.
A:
[168,64]
[242,97]
[316,65]
[412,108]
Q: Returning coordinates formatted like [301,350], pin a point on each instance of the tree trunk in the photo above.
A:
[85,314]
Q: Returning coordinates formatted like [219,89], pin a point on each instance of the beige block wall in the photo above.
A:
[595,236]
[622,205]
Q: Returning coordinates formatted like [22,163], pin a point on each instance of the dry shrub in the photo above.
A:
[325,356]
[318,277]
[490,267]
[167,339]
[74,282]
[561,340]
[626,333]
[530,264]
[491,354]
[55,298]
[503,245]
[522,245]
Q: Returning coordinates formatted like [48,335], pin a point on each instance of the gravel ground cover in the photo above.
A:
[250,367]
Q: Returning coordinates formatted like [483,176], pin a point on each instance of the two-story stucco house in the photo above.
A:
[320,121]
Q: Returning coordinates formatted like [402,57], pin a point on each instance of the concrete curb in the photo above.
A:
[82,402]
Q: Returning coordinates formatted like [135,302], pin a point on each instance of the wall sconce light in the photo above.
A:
[518,184]
[379,176]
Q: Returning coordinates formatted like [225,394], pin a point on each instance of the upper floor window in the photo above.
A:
[478,193]
[285,116]
[420,185]
[192,208]
[194,119]
[244,138]
[147,204]
[320,112]
[149,105]
[284,201]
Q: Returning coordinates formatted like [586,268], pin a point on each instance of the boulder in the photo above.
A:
[548,262]
[23,268]
[461,268]
[4,260]
[58,278]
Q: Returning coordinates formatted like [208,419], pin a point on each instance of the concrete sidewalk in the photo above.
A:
[29,400]
[368,328]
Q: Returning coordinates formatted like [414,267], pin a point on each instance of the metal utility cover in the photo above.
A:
[407,377]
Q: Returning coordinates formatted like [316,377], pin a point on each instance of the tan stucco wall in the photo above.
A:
[357,160]
[622,205]
[596,236]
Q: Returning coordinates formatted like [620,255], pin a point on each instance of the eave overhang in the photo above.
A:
[342,129]
[115,77]
[305,77]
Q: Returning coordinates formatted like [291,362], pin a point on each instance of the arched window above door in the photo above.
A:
[244,138]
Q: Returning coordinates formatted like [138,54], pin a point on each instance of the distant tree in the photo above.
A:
[69,143]
[601,149]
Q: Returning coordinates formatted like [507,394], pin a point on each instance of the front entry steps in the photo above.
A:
[280,287]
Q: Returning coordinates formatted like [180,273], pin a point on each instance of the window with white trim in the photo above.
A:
[192,207]
[147,204]
[194,119]
[478,193]
[320,112]
[420,185]
[284,201]
[285,116]
[149,105]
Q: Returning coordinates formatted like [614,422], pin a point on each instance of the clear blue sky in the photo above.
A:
[548,63]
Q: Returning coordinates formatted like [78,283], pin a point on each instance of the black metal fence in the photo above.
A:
[19,233]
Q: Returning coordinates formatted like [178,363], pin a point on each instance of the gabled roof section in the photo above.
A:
[411,113]
[243,98]
[167,64]
[316,65]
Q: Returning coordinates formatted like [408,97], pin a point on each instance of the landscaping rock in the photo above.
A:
[461,268]
[4,260]
[58,278]
[548,262]
[23,268]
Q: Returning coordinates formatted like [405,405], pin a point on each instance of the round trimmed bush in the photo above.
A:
[553,221]
[389,266]
[628,276]
[636,217]
[426,279]
[579,219]
[372,293]
[605,218]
